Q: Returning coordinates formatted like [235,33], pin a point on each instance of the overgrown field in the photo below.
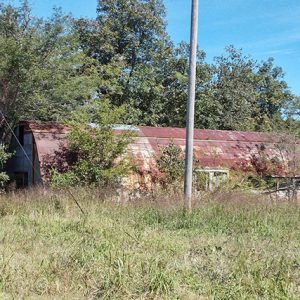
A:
[227,248]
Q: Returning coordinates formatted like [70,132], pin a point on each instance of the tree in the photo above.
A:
[98,152]
[247,95]
[139,66]
[43,72]
[130,42]
[134,29]
[273,95]
[232,91]
[50,67]
[176,88]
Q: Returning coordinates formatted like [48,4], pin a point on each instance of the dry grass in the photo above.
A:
[229,247]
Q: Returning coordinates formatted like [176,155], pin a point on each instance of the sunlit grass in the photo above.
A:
[224,249]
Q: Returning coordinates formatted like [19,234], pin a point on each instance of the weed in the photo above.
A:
[230,247]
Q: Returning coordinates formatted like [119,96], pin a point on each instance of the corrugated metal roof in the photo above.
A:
[208,134]
[212,148]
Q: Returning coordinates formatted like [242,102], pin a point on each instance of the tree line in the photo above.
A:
[51,66]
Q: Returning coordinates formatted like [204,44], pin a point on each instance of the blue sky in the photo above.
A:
[263,28]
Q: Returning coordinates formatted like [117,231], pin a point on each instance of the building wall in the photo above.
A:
[213,149]
[24,167]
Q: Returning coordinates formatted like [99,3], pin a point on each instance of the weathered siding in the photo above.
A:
[212,148]
[24,159]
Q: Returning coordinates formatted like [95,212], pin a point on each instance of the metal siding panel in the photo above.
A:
[212,147]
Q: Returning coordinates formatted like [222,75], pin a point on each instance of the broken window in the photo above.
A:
[209,179]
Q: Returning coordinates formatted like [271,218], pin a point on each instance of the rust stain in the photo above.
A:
[212,148]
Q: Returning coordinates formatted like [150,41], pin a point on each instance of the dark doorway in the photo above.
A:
[21,179]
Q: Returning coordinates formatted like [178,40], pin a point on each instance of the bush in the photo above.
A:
[4,156]
[98,151]
[63,179]
[170,163]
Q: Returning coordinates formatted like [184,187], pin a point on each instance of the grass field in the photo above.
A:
[241,248]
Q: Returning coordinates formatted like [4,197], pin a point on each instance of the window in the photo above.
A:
[209,179]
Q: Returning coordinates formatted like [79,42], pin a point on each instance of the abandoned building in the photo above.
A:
[216,151]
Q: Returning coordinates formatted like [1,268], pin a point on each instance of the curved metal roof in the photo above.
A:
[212,148]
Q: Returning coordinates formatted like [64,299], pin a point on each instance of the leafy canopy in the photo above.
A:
[50,67]
[44,74]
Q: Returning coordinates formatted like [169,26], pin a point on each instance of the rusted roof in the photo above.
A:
[212,148]
[207,134]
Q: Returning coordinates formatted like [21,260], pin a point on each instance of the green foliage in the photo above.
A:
[200,181]
[62,180]
[4,156]
[246,181]
[99,153]
[129,40]
[171,163]
[246,95]
[44,73]
[175,85]
[131,28]
[143,69]
[50,67]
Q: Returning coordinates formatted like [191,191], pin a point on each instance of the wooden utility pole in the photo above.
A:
[188,176]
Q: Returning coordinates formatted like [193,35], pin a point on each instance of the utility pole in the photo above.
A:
[188,176]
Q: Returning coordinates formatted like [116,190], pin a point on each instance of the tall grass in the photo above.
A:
[233,247]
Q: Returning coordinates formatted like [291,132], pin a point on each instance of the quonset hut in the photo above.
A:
[213,149]
[32,141]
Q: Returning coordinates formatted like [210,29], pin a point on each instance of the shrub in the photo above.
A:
[97,151]
[169,166]
[4,156]
[63,179]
